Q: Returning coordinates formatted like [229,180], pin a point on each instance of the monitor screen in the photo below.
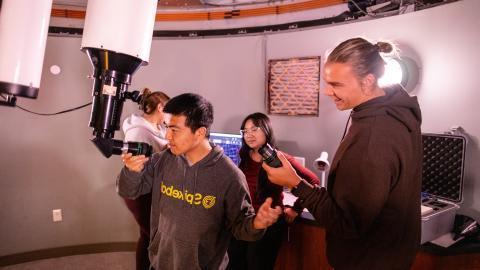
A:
[230,143]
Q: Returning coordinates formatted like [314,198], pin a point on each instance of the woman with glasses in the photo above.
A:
[257,131]
[146,127]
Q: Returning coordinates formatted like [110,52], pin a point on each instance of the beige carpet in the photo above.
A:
[97,261]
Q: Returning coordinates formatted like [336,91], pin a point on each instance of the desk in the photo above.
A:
[304,249]
[462,255]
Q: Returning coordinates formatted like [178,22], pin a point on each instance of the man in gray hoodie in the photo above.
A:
[199,197]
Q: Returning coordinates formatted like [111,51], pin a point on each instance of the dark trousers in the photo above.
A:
[140,209]
[259,254]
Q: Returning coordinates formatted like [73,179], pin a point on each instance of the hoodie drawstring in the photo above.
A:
[346,125]
[195,182]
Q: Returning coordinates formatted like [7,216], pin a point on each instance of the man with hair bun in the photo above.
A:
[371,209]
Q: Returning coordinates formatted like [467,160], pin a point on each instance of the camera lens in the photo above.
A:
[110,147]
[141,149]
[269,155]
[135,148]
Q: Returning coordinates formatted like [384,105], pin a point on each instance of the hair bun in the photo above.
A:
[143,101]
[384,47]
[146,91]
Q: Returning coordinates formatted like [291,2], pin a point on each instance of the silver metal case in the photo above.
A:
[442,182]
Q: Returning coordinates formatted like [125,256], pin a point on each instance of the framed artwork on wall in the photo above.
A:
[293,86]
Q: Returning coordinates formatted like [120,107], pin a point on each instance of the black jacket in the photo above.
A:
[371,211]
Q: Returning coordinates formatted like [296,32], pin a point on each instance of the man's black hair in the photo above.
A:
[197,110]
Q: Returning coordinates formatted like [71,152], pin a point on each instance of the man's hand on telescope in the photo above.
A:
[134,163]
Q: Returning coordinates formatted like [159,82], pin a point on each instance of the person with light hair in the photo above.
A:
[371,208]
[145,127]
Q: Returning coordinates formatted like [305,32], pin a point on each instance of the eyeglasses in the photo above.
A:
[247,131]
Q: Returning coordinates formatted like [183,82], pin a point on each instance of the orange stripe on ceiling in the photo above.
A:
[68,13]
[181,16]
[218,15]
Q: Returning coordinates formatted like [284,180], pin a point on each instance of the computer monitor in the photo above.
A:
[230,143]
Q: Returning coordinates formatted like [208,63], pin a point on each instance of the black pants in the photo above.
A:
[140,209]
[259,254]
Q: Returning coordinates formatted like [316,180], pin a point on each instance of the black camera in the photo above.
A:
[269,155]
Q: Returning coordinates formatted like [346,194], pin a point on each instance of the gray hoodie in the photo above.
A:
[195,209]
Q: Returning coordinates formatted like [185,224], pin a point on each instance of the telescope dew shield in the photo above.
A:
[124,27]
[23,36]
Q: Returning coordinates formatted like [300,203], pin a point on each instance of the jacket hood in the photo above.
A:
[395,103]
[137,121]
[210,159]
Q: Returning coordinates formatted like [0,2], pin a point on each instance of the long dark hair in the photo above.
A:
[265,188]
[259,120]
[363,56]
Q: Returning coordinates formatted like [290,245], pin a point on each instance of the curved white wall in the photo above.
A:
[49,163]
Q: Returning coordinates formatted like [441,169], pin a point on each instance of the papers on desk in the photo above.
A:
[446,240]
[289,199]
[425,210]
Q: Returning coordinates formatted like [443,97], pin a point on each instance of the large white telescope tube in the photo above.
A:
[23,35]
[117,37]
[121,26]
